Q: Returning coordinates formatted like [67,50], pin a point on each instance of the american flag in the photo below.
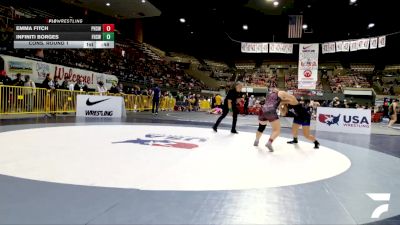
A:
[295,26]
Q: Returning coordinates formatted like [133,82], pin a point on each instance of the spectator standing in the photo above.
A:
[120,88]
[48,83]
[113,88]
[45,83]
[101,88]
[71,86]
[393,112]
[18,81]
[57,83]
[196,102]
[218,101]
[4,79]
[80,85]
[156,94]
[65,84]
[246,104]
[251,101]
[29,92]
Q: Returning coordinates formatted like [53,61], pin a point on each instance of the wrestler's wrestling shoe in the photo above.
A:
[269,146]
[316,144]
[256,143]
[294,141]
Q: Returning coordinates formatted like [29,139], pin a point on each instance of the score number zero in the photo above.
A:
[103,28]
[109,36]
[108,32]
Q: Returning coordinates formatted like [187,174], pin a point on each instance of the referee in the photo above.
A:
[230,106]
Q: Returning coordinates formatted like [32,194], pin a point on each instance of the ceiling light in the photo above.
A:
[353,1]
[305,26]
[371,25]
[308,6]
[108,4]
[270,0]
[276,3]
[143,1]
[182,20]
[245,27]
[191,32]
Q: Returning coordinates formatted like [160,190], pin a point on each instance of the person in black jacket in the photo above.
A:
[46,82]
[113,89]
[80,85]
[4,79]
[246,104]
[65,84]
[18,81]
[230,106]
[57,83]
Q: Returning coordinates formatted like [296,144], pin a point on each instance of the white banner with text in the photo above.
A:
[308,66]
[342,120]
[100,106]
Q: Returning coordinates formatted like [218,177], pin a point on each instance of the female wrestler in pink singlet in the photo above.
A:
[268,113]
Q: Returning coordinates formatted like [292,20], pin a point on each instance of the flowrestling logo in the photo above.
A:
[347,120]
[169,141]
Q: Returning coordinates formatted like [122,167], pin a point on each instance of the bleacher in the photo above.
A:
[139,65]
[392,68]
[362,68]
[245,66]
[354,80]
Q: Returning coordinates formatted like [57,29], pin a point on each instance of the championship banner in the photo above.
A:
[346,46]
[308,66]
[354,45]
[281,48]
[328,47]
[264,48]
[366,44]
[247,47]
[360,44]
[339,46]
[325,48]
[332,47]
[373,43]
[381,41]
[342,120]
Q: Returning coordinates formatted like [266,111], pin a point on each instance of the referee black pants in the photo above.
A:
[225,112]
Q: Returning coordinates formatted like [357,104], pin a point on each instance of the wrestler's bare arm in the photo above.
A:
[287,98]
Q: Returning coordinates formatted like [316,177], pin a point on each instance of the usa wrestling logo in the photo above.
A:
[169,141]
[329,119]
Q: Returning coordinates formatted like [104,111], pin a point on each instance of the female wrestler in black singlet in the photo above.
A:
[302,117]
[268,114]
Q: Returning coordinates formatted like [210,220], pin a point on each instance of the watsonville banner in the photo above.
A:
[308,66]
[37,70]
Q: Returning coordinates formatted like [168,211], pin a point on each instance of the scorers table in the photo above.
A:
[62,34]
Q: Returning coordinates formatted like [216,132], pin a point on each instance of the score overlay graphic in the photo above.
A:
[61,36]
